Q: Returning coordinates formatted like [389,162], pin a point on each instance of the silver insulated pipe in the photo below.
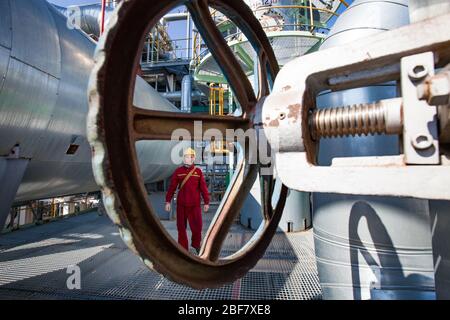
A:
[44,72]
[186,94]
[369,247]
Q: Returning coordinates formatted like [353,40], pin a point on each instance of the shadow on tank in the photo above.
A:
[390,279]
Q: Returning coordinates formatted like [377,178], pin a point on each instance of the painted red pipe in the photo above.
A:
[102,27]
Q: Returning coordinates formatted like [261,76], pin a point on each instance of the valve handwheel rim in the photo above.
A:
[113,136]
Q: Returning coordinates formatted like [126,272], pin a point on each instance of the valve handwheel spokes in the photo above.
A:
[115,125]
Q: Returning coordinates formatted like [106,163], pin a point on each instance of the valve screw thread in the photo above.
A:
[359,119]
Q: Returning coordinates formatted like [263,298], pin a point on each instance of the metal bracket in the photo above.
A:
[420,137]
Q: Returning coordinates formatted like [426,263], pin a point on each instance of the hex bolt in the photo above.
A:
[436,89]
[422,141]
[417,73]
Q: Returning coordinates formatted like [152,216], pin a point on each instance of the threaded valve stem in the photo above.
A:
[383,117]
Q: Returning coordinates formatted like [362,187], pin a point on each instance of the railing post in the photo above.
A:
[102,24]
[148,49]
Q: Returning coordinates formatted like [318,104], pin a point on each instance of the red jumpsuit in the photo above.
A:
[188,203]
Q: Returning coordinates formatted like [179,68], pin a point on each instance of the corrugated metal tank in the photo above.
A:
[369,247]
[44,73]
[296,215]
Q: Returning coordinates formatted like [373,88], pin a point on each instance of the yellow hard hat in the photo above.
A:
[189,152]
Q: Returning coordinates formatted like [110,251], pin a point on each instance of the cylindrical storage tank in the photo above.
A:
[289,27]
[286,15]
[369,247]
[296,215]
[297,211]
[250,216]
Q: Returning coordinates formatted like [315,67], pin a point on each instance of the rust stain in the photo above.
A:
[274,123]
[294,110]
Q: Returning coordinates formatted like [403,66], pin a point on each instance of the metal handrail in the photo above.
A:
[239,33]
[312,26]
[198,54]
[310,7]
[295,7]
[47,212]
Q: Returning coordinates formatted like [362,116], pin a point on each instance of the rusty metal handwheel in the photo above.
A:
[115,125]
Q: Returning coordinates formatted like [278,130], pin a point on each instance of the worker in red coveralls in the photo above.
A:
[191,184]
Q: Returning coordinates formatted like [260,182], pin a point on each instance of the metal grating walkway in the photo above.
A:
[33,265]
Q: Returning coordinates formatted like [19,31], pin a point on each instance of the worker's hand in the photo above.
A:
[206,208]
[168,207]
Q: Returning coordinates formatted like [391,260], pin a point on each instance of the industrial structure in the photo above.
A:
[345,102]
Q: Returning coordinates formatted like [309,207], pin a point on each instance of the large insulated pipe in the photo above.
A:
[369,247]
[176,96]
[186,94]
[44,74]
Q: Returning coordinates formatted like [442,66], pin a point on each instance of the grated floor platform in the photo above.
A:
[34,262]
